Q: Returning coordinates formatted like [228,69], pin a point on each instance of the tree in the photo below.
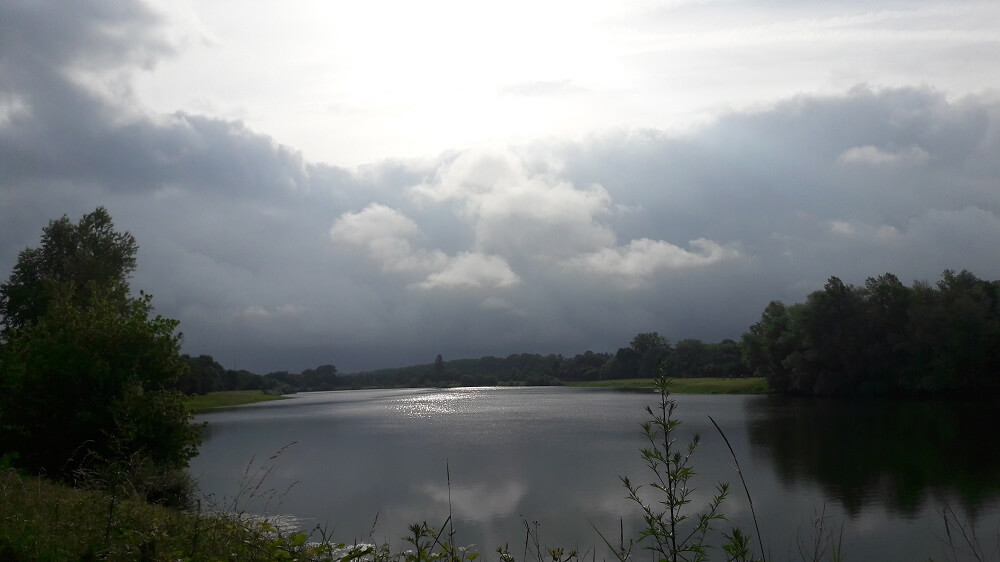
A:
[688,358]
[645,341]
[652,349]
[626,363]
[204,375]
[769,343]
[87,373]
[70,253]
[883,338]
[323,377]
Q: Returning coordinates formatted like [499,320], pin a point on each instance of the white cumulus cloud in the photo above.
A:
[472,270]
[642,258]
[385,233]
[519,212]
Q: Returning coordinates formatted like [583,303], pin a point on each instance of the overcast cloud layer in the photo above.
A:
[272,261]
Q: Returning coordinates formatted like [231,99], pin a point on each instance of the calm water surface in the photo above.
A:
[882,471]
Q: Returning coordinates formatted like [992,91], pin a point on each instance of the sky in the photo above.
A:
[370,184]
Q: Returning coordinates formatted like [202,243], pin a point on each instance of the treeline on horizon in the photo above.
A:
[881,338]
[642,358]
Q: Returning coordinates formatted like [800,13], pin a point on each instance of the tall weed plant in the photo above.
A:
[672,530]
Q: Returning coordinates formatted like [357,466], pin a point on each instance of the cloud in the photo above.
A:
[291,310]
[494,302]
[255,311]
[869,155]
[258,312]
[841,227]
[271,261]
[386,234]
[12,107]
[468,270]
[643,258]
[528,215]
[482,503]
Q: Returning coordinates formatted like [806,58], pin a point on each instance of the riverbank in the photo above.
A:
[44,520]
[752,385]
[204,402]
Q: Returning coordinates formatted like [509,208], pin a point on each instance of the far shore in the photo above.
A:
[703,385]
[203,402]
[699,385]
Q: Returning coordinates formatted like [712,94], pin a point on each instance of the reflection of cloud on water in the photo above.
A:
[871,522]
[612,505]
[479,502]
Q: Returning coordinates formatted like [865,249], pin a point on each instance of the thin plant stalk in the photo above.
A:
[739,471]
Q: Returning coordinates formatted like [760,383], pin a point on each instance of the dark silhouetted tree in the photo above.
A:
[87,372]
[882,338]
[73,253]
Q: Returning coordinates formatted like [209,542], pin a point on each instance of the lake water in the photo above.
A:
[880,471]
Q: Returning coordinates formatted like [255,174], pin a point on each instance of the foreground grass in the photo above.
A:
[753,385]
[200,403]
[45,521]
[42,520]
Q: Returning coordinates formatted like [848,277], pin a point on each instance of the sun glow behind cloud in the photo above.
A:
[416,78]
[356,82]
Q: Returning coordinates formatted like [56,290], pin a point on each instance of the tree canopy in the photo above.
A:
[86,370]
[73,253]
[882,338]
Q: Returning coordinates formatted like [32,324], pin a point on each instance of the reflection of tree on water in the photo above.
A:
[894,454]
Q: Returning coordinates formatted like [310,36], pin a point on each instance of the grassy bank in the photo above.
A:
[42,520]
[754,385]
[200,403]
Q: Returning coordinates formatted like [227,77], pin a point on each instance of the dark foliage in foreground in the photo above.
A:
[87,372]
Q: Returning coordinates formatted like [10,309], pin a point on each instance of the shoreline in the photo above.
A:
[700,385]
[201,403]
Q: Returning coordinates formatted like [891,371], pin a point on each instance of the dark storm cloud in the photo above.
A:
[273,262]
[91,32]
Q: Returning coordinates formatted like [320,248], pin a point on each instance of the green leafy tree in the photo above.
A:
[768,344]
[652,349]
[204,375]
[626,364]
[87,372]
[90,250]
[646,341]
[689,358]
[882,338]
[323,377]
